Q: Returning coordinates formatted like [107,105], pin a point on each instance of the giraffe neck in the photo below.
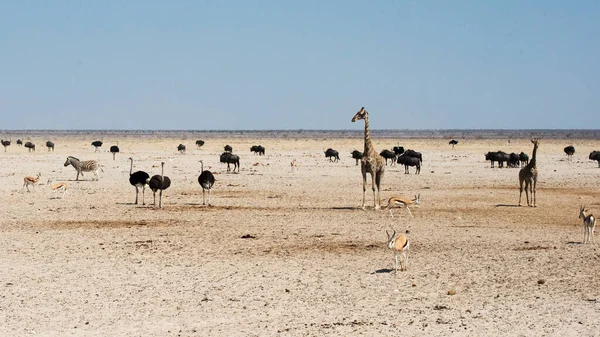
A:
[532,161]
[369,149]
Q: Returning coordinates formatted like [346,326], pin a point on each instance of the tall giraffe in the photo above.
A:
[529,175]
[371,162]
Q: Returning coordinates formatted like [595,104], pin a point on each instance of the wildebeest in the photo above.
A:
[357,155]
[595,155]
[387,154]
[50,146]
[414,154]
[453,142]
[199,143]
[569,150]
[19,142]
[524,158]
[497,156]
[30,146]
[258,149]
[513,160]
[398,150]
[181,148]
[228,148]
[332,155]
[407,161]
[230,158]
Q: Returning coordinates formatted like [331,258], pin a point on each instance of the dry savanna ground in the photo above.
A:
[291,252]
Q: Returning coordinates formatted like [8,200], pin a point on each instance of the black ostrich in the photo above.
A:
[50,146]
[199,143]
[453,142]
[97,144]
[570,150]
[228,148]
[398,150]
[159,182]
[138,179]
[206,179]
[181,148]
[19,142]
[114,150]
[387,154]
[357,155]
[30,146]
[5,143]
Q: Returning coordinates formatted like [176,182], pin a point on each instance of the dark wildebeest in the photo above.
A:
[332,155]
[357,155]
[407,161]
[30,146]
[524,158]
[228,148]
[50,146]
[513,160]
[181,148]
[498,156]
[230,158]
[398,150]
[570,150]
[453,142]
[387,154]
[19,142]
[199,143]
[414,154]
[258,149]
[595,155]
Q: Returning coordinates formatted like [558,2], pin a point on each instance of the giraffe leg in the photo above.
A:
[373,187]
[364,175]
[520,191]
[534,183]
[379,178]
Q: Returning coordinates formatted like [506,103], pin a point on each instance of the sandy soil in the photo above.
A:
[95,264]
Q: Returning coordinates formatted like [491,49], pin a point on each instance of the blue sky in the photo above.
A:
[299,64]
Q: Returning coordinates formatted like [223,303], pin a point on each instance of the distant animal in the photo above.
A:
[589,224]
[57,187]
[498,156]
[400,245]
[528,176]
[181,148]
[97,144]
[407,161]
[83,166]
[19,142]
[332,155]
[513,160]
[230,158]
[402,202]
[199,143]
[293,164]
[387,154]
[114,150]
[31,181]
[50,146]
[206,180]
[569,150]
[398,150]
[5,143]
[357,155]
[258,149]
[137,180]
[159,183]
[30,146]
[228,148]
[453,142]
[523,158]
[595,155]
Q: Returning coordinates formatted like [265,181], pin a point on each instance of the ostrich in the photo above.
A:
[398,150]
[453,142]
[19,142]
[138,179]
[181,148]
[114,150]
[206,179]
[97,144]
[50,146]
[199,143]
[159,182]
[5,143]
[569,150]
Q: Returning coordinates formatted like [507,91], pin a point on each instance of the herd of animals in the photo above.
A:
[371,162]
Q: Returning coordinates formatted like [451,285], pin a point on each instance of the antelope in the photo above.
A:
[293,164]
[589,224]
[57,187]
[399,244]
[402,202]
[31,181]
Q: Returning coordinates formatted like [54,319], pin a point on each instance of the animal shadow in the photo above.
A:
[574,243]
[382,271]
[507,205]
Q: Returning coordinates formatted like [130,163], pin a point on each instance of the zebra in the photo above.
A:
[84,166]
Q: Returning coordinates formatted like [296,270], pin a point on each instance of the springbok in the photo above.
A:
[402,202]
[57,187]
[399,244]
[31,181]
[589,224]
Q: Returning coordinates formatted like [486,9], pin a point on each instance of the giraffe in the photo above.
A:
[371,162]
[529,175]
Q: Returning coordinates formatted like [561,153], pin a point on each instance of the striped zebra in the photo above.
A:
[84,166]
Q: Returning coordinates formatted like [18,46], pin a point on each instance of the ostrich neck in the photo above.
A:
[369,149]
[131,168]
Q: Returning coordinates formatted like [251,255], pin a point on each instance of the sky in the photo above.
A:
[310,64]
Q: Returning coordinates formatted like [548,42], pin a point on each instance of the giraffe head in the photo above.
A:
[360,115]
[535,141]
